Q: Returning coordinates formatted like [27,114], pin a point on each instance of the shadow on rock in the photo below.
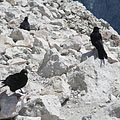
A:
[89,54]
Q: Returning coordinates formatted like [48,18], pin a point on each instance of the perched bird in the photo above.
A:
[25,24]
[96,40]
[16,81]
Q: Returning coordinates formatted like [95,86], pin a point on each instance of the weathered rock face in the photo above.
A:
[22,38]
[8,106]
[52,65]
[67,81]
[47,107]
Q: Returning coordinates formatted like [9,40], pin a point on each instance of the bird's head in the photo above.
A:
[24,71]
[26,19]
[96,29]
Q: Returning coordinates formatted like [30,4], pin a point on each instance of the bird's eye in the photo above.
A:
[25,73]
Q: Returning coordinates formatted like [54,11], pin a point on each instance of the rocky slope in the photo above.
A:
[106,9]
[66,79]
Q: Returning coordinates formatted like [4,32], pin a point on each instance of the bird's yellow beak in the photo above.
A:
[26,73]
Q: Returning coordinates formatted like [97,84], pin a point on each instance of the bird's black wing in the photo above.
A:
[12,79]
[25,25]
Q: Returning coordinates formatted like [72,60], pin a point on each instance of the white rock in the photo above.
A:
[25,43]
[111,57]
[58,22]
[41,34]
[47,107]
[52,104]
[51,65]
[76,80]
[27,118]
[2,39]
[12,2]
[40,42]
[61,88]
[9,41]
[55,11]
[11,52]
[73,43]
[19,34]
[22,38]
[16,61]
[114,109]
[4,6]
[9,16]
[43,9]
[54,64]
[37,60]
[2,48]
[54,43]
[22,2]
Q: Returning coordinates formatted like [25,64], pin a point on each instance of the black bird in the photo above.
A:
[96,40]
[16,81]
[25,24]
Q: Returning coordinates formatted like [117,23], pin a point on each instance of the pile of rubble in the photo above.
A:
[66,81]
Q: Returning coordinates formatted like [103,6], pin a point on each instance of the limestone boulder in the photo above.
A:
[36,60]
[22,3]
[20,52]
[58,86]
[9,16]
[7,41]
[54,64]
[114,109]
[55,11]
[22,38]
[2,48]
[34,20]
[54,43]
[41,42]
[16,61]
[4,6]
[18,34]
[76,79]
[27,118]
[58,22]
[112,57]
[12,14]
[47,107]
[72,43]
[12,2]
[62,89]
[43,9]
[12,52]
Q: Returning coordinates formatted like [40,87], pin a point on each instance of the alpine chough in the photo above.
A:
[96,40]
[25,24]
[16,81]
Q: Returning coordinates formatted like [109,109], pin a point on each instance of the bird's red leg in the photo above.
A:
[17,95]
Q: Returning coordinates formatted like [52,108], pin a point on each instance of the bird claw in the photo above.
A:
[18,95]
